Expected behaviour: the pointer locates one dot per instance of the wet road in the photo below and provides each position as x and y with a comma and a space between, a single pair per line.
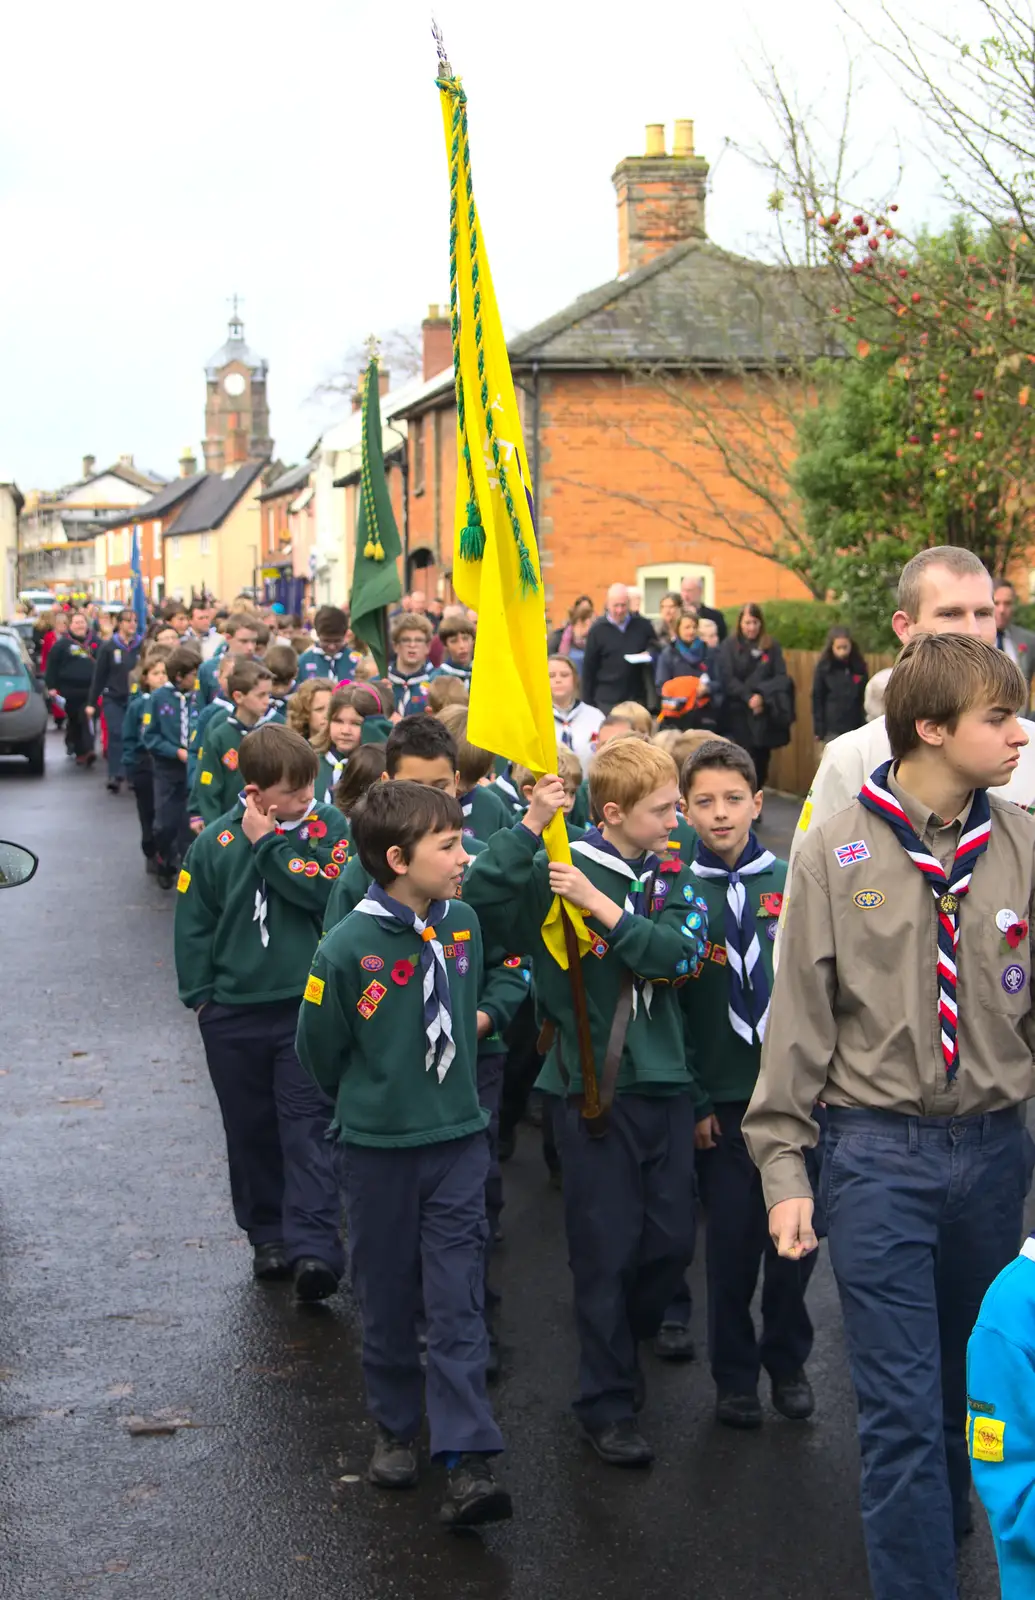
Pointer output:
125, 1294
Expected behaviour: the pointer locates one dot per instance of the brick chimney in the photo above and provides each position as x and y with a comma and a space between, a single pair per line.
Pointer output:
436, 341
188, 463
660, 197
384, 383
89, 462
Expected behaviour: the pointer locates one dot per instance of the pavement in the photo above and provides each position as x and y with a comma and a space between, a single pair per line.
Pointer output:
171, 1431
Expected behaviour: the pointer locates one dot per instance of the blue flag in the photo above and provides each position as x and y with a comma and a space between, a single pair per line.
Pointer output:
139, 598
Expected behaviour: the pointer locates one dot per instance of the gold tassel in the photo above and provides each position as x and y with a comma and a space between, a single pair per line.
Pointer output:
379, 551
370, 550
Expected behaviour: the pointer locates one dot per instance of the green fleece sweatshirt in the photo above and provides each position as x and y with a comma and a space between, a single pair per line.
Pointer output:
724, 1066
485, 812
361, 1032
509, 887
503, 985
217, 936
216, 783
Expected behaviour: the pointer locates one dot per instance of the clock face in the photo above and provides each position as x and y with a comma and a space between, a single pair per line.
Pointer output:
233, 383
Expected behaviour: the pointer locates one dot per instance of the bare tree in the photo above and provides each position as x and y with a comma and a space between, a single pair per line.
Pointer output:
399, 351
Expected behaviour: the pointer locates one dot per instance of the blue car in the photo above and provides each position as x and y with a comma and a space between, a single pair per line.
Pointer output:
23, 705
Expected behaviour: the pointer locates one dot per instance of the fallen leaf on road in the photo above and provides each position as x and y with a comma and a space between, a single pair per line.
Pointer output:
79, 1053
143, 1491
157, 1425
350, 1477
143, 1255
116, 1566
119, 1391
198, 1244
76, 1100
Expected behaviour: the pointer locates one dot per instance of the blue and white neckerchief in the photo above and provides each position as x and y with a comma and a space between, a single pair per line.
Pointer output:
509, 792
332, 662
414, 686
749, 985
598, 849
184, 717
467, 806
563, 720
337, 764
438, 1003
448, 670
220, 701
262, 893
948, 888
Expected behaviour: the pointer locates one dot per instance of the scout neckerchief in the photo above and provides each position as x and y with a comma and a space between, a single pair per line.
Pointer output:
413, 683
598, 849
184, 717
332, 661
509, 791
563, 721
438, 1004
337, 764
749, 986
447, 670
262, 893
948, 888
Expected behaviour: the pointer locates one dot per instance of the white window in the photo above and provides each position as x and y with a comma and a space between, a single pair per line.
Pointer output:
126, 544
111, 549
206, 543
156, 531
656, 580
175, 548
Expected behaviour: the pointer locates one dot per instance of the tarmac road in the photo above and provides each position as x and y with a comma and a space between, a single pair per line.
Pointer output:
125, 1293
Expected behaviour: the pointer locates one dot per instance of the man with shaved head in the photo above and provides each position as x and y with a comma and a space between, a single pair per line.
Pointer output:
620, 651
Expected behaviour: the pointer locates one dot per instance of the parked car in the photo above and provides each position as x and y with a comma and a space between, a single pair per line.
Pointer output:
23, 704
17, 864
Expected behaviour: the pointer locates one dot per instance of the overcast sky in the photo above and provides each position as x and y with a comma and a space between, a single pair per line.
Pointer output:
153, 160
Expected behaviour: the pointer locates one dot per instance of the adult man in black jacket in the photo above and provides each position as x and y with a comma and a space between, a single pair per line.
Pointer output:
116, 658
692, 590
620, 652
70, 674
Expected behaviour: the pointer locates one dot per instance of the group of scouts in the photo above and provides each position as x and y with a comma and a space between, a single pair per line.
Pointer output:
366, 927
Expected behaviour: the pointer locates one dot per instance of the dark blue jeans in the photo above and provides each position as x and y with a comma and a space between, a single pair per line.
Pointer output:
114, 717
921, 1214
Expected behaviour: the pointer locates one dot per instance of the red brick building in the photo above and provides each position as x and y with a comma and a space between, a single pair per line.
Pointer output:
627, 485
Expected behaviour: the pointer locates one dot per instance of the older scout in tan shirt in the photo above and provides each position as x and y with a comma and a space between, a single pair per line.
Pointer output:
857, 1022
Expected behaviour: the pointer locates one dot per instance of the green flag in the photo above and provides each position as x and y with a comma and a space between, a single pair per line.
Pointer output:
375, 576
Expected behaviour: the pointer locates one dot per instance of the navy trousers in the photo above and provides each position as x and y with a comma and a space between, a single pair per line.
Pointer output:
737, 1245
114, 717
143, 781
172, 828
490, 1088
629, 1215
921, 1215
284, 1173
416, 1220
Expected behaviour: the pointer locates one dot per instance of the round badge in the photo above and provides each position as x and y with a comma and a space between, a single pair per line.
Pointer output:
371, 963
332, 870
949, 903
463, 965
661, 888
770, 931
1005, 919
688, 893
693, 921
700, 902
311, 869
1014, 979
296, 864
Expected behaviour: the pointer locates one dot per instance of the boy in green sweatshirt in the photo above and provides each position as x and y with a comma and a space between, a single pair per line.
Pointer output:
248, 913
739, 890
421, 750
389, 1027
629, 1186
216, 782
485, 811
167, 738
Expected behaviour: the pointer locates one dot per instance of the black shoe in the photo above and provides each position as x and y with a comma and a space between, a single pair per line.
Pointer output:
793, 1397
151, 867
393, 1464
90, 757
166, 877
474, 1497
621, 1444
506, 1144
738, 1410
314, 1280
113, 785
270, 1263
674, 1342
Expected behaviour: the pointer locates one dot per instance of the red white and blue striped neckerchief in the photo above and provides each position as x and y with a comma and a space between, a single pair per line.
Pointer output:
948, 889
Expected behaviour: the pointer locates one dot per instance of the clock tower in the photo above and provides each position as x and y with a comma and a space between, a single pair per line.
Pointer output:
237, 418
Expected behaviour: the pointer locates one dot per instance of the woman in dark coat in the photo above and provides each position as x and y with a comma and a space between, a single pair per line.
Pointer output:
758, 694
838, 687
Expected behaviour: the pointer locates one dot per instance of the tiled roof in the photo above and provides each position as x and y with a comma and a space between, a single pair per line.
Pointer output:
215, 498
289, 482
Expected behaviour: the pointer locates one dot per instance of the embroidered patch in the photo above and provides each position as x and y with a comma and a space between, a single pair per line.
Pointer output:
512, 961
206, 777
661, 888
599, 947
314, 990
183, 881
682, 966
806, 817
296, 864
332, 870
771, 928
718, 955
988, 1439
230, 760
375, 991
366, 1008
146, 718
688, 894
692, 922
868, 899
1014, 979
371, 963
402, 972
463, 966
340, 854
311, 869
460, 935
226, 837
846, 855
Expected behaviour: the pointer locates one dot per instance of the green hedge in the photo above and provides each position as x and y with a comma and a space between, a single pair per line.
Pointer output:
1024, 616
804, 624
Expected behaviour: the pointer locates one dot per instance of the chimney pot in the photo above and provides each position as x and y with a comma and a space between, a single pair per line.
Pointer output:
384, 381
188, 463
436, 341
125, 461
683, 139
89, 462
655, 139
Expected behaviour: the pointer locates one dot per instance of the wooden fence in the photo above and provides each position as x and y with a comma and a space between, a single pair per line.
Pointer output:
794, 767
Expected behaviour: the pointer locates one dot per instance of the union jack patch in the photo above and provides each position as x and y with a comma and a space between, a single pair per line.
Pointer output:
846, 855
226, 837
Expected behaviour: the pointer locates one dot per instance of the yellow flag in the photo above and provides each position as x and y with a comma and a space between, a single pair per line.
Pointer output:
496, 561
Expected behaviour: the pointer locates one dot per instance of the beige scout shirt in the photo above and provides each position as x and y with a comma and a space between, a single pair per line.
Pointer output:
854, 1013
848, 761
